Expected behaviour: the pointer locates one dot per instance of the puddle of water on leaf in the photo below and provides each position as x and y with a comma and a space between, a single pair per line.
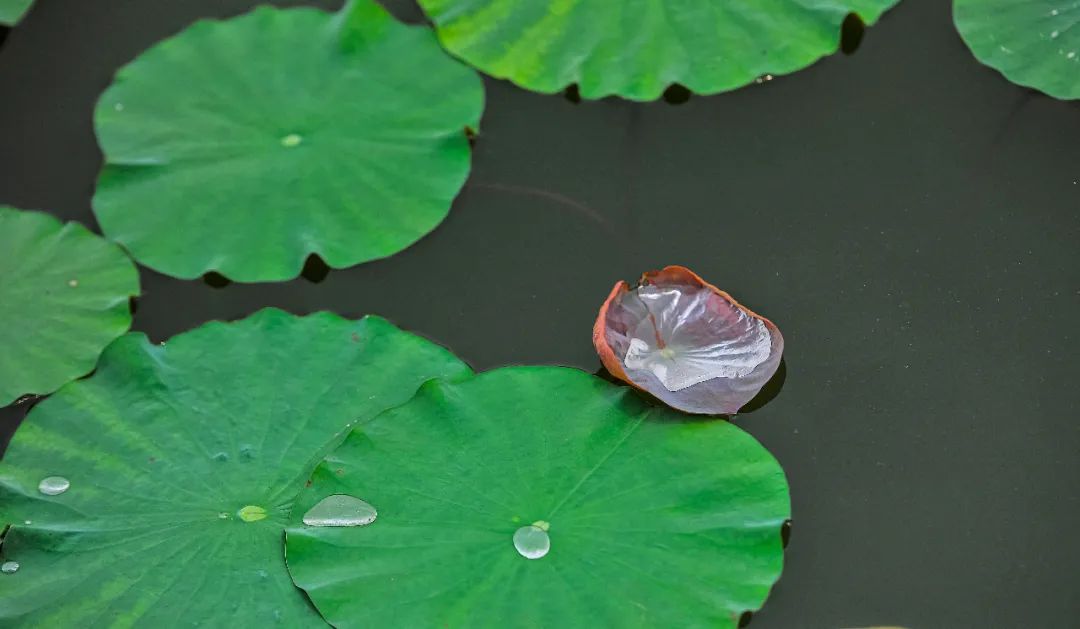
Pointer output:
532, 541
340, 510
252, 513
9, 567
53, 485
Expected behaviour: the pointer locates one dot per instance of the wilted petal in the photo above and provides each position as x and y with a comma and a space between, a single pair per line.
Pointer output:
686, 342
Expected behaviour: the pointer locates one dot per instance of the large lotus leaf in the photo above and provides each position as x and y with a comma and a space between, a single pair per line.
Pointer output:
652, 518
636, 48
183, 462
243, 146
1032, 42
11, 11
64, 296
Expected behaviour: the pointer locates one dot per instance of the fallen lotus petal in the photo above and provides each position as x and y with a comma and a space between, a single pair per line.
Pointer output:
686, 342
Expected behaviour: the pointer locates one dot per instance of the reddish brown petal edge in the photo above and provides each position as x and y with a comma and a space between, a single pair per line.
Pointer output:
669, 273
599, 336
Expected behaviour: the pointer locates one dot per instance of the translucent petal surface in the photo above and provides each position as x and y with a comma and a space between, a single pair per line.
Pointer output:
543, 497
242, 146
1034, 43
686, 342
636, 48
64, 295
183, 462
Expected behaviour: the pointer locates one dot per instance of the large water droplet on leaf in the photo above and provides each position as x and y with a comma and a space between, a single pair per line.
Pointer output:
9, 567
54, 485
340, 510
532, 541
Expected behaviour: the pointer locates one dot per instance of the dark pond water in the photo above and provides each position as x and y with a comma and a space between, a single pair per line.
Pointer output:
908, 218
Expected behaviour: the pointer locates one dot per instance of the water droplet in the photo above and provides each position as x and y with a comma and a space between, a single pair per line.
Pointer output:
118, 107
1070, 55
9, 567
28, 522
1053, 11
252, 513
291, 140
532, 541
340, 510
221, 457
1054, 35
247, 452
223, 516
53, 485
73, 283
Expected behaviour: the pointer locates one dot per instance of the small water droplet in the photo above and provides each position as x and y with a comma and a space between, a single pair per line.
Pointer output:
53, 485
223, 516
73, 283
1053, 11
1054, 35
291, 140
340, 510
221, 457
247, 452
28, 522
118, 107
262, 574
252, 513
9, 567
532, 541
1070, 55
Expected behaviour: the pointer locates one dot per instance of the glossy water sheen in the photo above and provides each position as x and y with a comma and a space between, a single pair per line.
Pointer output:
9, 567
54, 485
682, 343
907, 217
340, 510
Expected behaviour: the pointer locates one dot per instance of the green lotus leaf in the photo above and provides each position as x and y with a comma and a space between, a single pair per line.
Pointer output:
243, 146
181, 462
1032, 42
539, 497
11, 11
64, 296
636, 48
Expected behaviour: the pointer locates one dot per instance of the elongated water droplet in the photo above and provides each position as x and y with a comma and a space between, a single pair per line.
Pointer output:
252, 513
9, 567
532, 541
340, 510
291, 140
53, 485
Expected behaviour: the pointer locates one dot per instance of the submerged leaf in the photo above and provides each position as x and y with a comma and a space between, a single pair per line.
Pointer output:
1032, 42
543, 497
180, 465
64, 296
687, 342
243, 146
637, 48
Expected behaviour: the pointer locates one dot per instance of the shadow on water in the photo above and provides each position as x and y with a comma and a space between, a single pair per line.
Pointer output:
214, 279
676, 94
851, 33
315, 270
572, 93
769, 391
